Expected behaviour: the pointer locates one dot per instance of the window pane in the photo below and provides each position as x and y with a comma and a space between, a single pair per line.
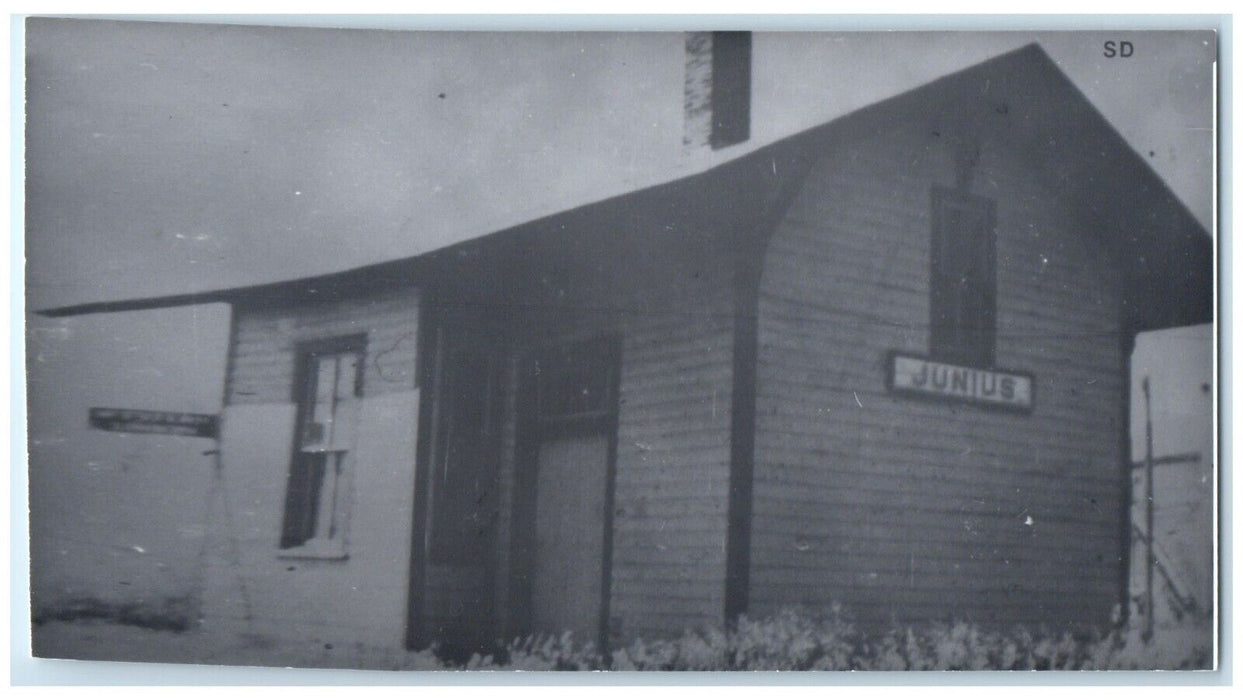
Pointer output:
345, 406
317, 433
328, 523
302, 500
347, 381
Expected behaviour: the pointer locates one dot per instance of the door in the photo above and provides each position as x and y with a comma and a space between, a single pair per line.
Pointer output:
570, 480
569, 534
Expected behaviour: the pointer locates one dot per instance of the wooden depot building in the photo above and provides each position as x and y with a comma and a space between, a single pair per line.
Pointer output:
882, 363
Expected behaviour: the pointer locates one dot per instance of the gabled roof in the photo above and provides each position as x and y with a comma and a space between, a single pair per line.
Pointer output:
1165, 253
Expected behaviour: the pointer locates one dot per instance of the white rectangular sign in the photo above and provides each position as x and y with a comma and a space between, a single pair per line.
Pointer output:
126, 420
917, 375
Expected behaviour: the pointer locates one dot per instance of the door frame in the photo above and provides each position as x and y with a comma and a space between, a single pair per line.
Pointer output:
532, 430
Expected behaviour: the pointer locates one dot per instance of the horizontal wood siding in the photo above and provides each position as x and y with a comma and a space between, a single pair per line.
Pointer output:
901, 508
267, 335
672, 467
672, 476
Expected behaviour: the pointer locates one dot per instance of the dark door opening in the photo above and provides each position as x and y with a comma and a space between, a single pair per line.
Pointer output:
571, 454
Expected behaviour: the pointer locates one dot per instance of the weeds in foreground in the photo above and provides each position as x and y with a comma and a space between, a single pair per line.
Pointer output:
800, 640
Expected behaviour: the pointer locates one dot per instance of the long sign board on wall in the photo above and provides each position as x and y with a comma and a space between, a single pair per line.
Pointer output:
919, 376
127, 420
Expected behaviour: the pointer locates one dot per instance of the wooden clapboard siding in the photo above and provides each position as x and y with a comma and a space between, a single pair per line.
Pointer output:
672, 469
909, 509
672, 474
262, 363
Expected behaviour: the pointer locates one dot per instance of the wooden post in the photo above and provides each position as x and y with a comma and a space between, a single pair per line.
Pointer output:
1149, 611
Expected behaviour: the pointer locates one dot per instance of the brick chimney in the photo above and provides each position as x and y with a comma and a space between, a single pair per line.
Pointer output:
717, 90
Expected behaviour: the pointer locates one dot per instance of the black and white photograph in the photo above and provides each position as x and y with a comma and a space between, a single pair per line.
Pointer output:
691, 350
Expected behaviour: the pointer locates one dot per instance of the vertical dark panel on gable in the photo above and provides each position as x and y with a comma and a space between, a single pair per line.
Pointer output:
731, 88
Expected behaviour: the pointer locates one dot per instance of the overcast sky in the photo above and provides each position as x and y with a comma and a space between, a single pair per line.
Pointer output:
163, 158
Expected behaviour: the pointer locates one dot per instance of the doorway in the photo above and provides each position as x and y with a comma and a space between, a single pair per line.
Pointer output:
572, 448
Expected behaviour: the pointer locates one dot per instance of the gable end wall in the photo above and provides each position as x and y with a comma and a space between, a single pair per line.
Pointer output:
909, 509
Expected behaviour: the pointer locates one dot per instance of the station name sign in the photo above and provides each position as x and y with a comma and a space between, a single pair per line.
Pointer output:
920, 376
126, 420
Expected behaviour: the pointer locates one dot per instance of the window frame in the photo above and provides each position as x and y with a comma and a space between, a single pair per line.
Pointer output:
975, 346
294, 541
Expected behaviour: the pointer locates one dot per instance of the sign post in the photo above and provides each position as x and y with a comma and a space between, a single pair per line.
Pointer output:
1149, 501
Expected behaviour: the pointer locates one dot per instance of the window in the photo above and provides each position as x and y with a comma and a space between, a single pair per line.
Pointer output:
575, 388
328, 384
964, 288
